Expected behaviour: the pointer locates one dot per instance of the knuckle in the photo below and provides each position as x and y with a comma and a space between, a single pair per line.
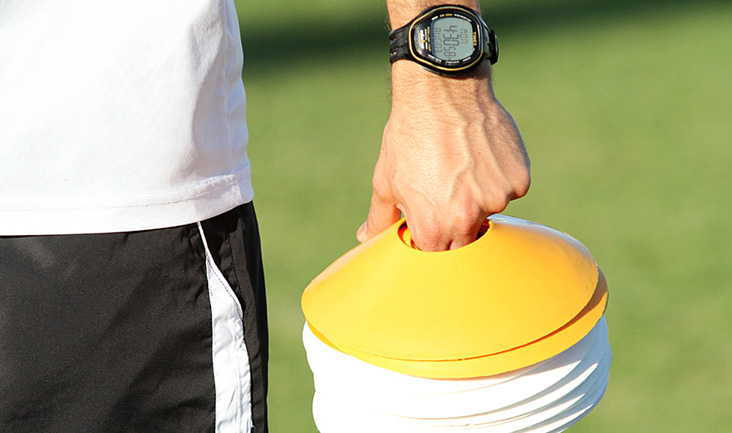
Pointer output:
467, 220
465, 223
378, 183
521, 184
427, 234
498, 202
381, 191
428, 230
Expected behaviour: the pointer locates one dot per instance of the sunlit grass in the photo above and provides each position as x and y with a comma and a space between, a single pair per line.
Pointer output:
626, 117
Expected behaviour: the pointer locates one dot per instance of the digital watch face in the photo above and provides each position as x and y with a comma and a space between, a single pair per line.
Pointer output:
452, 38
448, 39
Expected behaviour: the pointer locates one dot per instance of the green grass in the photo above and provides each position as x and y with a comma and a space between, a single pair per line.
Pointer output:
625, 111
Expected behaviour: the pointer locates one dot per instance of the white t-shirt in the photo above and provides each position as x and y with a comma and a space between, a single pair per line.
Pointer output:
119, 115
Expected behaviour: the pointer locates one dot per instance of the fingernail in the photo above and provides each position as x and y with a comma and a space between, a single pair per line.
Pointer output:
362, 231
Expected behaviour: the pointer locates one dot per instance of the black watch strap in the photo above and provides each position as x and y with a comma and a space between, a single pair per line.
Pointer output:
399, 44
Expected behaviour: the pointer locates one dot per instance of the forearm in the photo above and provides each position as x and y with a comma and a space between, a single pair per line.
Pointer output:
402, 11
424, 92
416, 86
451, 155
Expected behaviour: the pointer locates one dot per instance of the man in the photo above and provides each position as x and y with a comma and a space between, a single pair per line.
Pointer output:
131, 287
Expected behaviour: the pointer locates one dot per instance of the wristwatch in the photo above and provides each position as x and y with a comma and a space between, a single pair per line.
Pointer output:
448, 40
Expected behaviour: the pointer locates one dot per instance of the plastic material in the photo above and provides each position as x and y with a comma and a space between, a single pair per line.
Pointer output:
518, 295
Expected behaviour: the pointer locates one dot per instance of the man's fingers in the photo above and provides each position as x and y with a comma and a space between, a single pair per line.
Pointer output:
382, 214
465, 239
431, 235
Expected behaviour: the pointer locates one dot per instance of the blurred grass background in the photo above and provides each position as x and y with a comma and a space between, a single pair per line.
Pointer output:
625, 109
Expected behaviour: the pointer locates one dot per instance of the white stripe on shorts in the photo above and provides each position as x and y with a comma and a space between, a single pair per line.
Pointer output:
232, 376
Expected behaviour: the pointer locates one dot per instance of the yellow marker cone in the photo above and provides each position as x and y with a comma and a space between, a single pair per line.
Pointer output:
518, 295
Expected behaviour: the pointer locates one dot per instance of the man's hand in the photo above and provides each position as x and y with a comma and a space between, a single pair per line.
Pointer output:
451, 156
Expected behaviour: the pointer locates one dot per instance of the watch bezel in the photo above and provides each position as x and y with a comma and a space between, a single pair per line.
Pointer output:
421, 47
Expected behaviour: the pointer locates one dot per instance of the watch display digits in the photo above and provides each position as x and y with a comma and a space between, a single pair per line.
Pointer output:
452, 39
448, 40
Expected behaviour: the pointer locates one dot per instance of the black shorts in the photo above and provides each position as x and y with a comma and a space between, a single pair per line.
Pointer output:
153, 331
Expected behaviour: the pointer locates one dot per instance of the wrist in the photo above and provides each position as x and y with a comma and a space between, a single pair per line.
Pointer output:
403, 11
433, 101
411, 82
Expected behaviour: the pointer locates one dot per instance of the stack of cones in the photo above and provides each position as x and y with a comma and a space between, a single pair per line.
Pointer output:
445, 337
